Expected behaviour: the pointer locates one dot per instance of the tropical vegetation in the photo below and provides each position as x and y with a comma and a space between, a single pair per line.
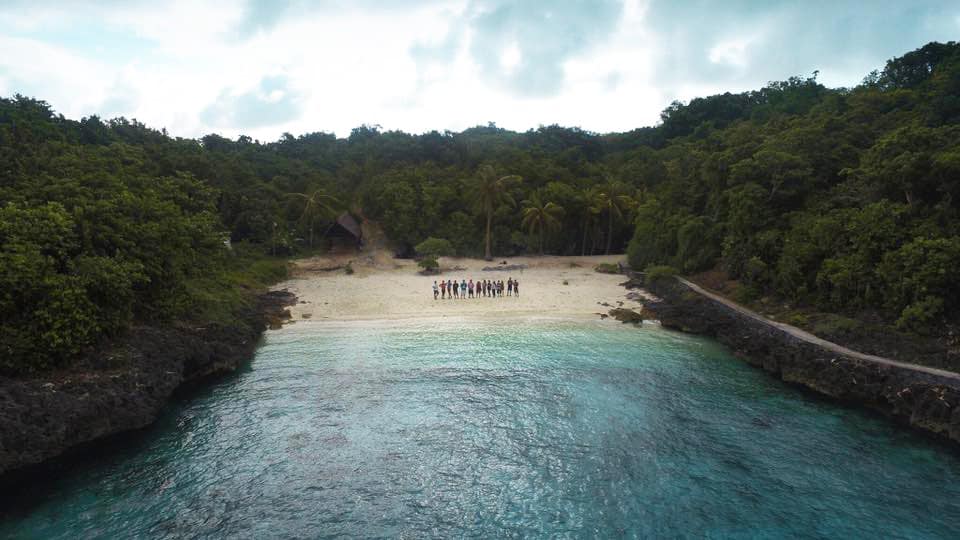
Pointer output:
842, 199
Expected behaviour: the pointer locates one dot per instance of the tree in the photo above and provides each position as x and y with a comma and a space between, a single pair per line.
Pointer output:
613, 200
588, 208
920, 279
316, 204
490, 193
784, 175
541, 216
435, 247
847, 200
430, 249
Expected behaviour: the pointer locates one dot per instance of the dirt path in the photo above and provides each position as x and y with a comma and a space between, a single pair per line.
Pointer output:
810, 338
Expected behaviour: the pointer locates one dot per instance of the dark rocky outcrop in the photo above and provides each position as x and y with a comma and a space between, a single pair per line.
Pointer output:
124, 386
919, 397
626, 315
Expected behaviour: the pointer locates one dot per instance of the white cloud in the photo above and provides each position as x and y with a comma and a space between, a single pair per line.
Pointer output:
511, 57
731, 52
191, 67
72, 82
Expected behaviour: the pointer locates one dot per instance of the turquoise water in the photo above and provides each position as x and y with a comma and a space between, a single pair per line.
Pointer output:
510, 428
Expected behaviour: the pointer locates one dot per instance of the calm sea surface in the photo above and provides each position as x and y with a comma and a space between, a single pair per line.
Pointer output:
502, 428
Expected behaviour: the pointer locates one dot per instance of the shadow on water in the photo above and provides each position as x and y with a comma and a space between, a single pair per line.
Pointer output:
543, 430
854, 414
23, 490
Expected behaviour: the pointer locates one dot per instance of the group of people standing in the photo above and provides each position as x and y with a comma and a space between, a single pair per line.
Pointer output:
475, 289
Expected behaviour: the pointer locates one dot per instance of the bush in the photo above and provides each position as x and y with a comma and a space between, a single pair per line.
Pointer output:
697, 248
223, 293
746, 294
654, 239
755, 271
920, 316
348, 268
798, 319
658, 272
434, 247
607, 268
921, 277
831, 326
429, 265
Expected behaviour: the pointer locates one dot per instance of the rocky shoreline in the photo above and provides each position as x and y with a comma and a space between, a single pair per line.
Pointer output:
124, 386
922, 400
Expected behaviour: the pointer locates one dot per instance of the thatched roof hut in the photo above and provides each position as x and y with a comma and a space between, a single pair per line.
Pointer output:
350, 224
345, 232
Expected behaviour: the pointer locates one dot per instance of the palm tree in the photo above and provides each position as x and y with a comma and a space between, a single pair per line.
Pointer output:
491, 192
613, 200
538, 215
315, 205
588, 208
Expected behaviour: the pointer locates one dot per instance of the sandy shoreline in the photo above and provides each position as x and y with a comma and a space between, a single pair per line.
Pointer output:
383, 288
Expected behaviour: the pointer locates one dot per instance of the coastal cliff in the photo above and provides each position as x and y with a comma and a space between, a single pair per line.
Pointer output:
922, 398
124, 386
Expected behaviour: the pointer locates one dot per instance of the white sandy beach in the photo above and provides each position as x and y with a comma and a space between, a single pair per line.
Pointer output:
382, 287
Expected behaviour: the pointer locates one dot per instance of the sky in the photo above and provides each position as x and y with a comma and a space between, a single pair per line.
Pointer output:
265, 67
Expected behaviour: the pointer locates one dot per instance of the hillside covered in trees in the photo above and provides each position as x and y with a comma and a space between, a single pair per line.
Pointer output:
842, 199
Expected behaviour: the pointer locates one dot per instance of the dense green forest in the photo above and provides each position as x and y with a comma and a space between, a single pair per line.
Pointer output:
842, 199
838, 198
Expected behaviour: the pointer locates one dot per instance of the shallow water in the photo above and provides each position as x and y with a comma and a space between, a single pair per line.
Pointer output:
506, 428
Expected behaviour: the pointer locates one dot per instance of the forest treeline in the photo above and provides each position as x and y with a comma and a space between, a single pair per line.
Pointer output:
844, 199
840, 198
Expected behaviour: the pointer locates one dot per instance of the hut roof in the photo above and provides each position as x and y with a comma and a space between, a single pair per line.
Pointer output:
347, 222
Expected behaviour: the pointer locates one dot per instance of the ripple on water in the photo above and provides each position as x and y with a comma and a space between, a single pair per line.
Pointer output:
504, 428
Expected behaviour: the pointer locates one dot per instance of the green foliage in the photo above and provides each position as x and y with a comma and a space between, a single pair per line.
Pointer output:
65, 289
697, 248
218, 295
396, 204
612, 199
659, 272
461, 229
492, 192
316, 205
94, 237
833, 325
429, 264
607, 268
755, 272
435, 247
747, 294
845, 199
652, 240
920, 316
541, 216
921, 270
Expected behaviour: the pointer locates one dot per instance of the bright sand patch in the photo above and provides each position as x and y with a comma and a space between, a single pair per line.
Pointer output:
385, 288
